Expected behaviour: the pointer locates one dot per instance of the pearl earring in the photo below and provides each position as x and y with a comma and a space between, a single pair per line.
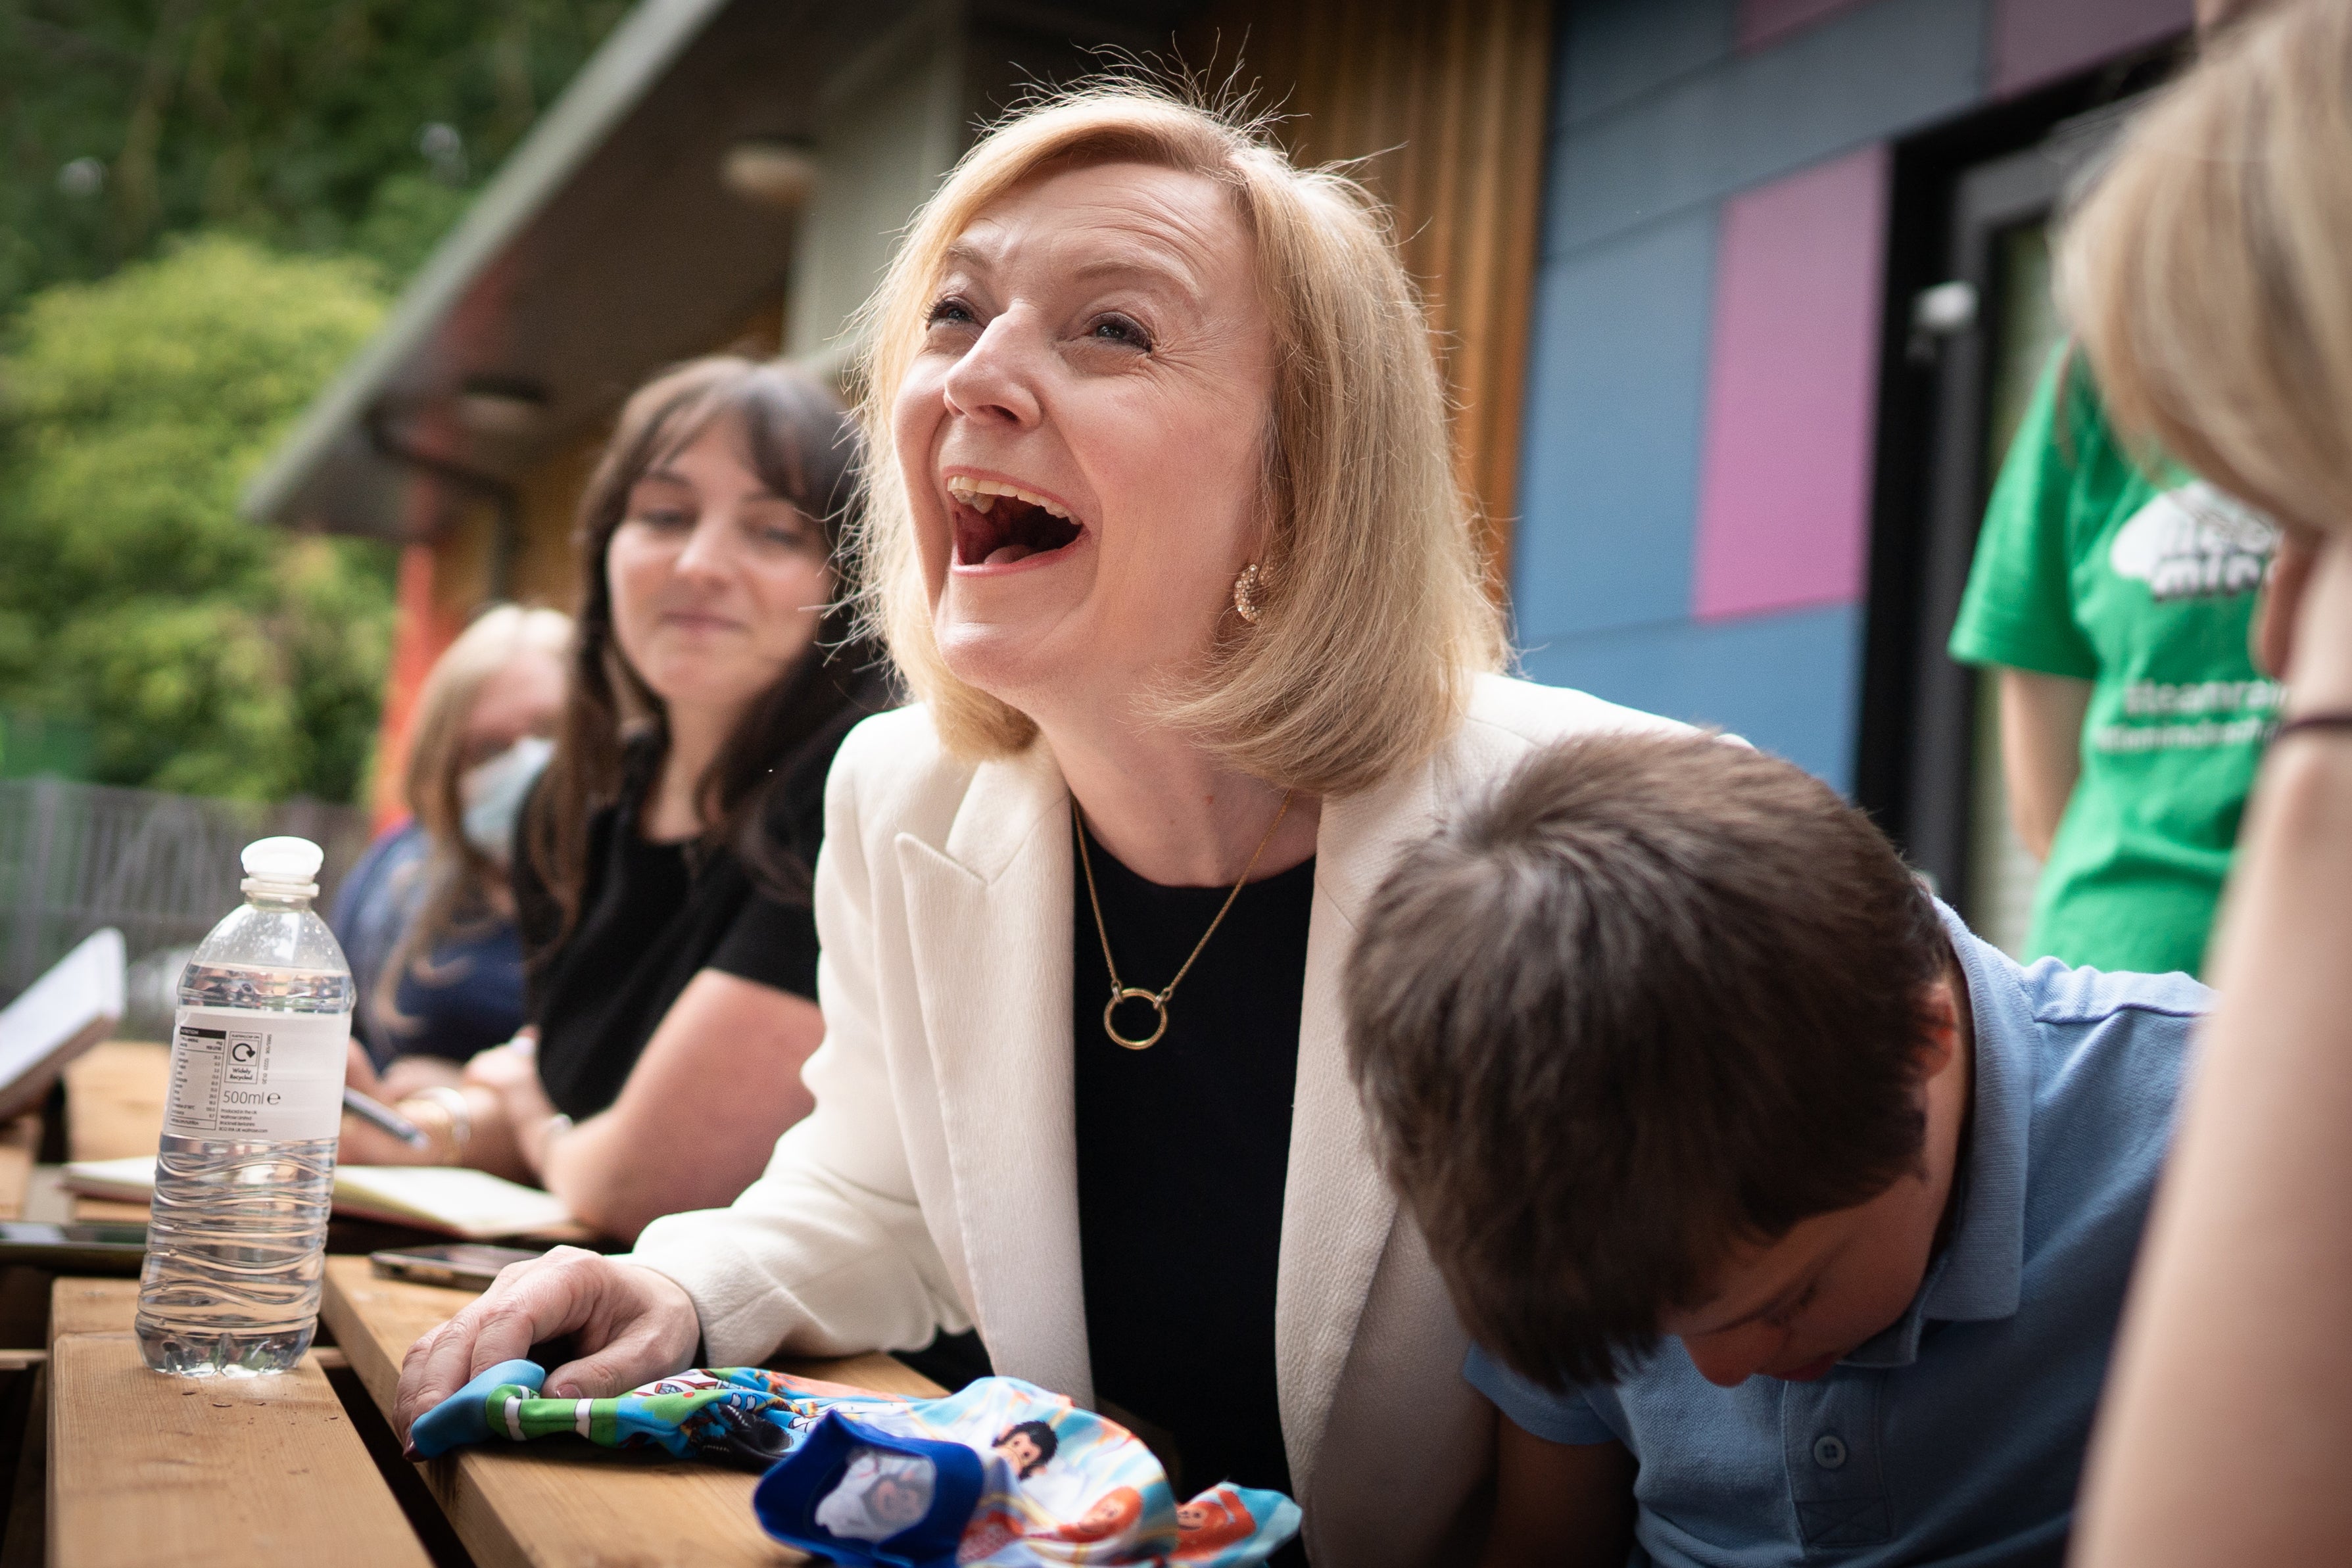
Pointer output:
1245, 604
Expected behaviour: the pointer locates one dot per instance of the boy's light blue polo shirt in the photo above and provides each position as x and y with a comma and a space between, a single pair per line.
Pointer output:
1957, 1436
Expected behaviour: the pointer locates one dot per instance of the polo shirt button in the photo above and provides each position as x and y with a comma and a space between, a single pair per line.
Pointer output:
1829, 1451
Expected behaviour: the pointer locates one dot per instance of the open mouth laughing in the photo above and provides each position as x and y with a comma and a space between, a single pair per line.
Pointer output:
997, 523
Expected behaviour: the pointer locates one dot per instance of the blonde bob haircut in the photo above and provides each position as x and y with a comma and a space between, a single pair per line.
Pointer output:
1375, 616
2208, 274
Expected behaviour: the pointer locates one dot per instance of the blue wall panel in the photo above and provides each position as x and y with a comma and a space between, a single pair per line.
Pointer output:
1612, 50
1880, 70
1609, 449
1789, 683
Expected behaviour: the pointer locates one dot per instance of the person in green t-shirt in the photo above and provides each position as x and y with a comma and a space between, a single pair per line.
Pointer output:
2132, 716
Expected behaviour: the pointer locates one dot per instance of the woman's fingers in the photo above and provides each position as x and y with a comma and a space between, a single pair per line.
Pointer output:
657, 1340
570, 1291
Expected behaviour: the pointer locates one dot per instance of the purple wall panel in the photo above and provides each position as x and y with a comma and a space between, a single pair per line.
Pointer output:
1763, 23
1784, 483
2034, 41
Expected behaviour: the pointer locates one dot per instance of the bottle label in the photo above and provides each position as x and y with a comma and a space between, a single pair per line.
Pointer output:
239, 1072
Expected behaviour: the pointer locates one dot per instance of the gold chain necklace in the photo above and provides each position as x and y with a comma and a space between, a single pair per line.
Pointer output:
1159, 998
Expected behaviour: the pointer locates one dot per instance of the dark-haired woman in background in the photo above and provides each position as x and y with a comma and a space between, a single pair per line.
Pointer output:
662, 868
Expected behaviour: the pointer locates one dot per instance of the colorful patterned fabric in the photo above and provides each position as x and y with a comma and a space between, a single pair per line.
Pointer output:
1053, 1484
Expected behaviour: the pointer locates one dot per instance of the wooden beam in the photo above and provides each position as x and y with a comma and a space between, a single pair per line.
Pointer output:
1442, 105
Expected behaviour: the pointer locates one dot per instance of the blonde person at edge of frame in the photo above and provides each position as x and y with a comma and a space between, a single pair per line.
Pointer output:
2206, 277
1169, 547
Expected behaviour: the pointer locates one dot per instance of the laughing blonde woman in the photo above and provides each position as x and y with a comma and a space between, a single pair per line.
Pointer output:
1172, 555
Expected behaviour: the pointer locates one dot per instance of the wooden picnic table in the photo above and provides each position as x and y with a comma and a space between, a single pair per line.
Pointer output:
302, 1468
145, 1470
561, 1501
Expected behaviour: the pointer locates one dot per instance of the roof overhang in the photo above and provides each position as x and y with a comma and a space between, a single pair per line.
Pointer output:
610, 244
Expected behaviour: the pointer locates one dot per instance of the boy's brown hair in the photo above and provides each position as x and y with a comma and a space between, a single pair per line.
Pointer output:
1658, 998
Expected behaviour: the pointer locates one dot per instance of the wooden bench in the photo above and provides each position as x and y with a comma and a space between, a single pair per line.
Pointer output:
146, 1471
558, 1501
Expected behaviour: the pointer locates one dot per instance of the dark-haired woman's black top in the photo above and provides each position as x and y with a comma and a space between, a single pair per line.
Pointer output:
653, 915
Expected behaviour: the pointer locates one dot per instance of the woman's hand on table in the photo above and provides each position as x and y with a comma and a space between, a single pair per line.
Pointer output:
509, 1074
627, 1326
362, 1142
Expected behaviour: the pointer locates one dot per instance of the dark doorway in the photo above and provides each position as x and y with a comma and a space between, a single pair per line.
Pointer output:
1969, 324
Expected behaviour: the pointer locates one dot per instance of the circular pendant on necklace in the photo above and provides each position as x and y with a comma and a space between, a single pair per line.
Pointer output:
1131, 993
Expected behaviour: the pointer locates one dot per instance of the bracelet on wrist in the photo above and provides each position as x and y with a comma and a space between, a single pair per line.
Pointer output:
440, 1129
455, 1112
554, 1127
2312, 724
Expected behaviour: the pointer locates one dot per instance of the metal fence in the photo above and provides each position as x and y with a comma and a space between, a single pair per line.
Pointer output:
161, 868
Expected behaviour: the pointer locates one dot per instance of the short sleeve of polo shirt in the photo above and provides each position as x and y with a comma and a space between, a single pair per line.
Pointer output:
1556, 1417
2018, 608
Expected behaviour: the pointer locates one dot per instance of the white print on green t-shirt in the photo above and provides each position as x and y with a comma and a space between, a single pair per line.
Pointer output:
2204, 704
2194, 543
2154, 699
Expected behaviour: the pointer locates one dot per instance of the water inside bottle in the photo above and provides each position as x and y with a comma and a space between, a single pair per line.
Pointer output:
236, 1242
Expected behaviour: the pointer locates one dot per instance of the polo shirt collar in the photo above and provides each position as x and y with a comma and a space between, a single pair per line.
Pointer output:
1977, 1275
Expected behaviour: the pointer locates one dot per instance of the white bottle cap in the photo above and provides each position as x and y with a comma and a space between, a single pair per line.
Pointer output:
282, 865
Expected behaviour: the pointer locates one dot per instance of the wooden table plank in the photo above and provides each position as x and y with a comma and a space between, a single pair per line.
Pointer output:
92, 1306
114, 1100
20, 1145
114, 1109
145, 1470
561, 1500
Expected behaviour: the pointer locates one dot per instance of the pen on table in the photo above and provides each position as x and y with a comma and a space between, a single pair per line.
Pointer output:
375, 1113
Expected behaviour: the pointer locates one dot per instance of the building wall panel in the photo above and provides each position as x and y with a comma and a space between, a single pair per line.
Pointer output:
1764, 23
2035, 41
1615, 406
1616, 51
1785, 475
1868, 74
1789, 683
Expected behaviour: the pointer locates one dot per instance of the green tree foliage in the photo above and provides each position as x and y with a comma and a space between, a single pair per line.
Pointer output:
207, 653
304, 124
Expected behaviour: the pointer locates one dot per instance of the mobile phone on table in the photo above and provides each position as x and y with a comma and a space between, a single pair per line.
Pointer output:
94, 1249
472, 1264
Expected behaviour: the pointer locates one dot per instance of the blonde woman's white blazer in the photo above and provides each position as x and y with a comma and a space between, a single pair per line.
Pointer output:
935, 1184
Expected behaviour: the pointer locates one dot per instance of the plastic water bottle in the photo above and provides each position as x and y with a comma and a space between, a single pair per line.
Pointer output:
244, 1177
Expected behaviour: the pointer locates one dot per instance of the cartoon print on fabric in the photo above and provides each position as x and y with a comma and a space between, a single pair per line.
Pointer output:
878, 1495
1055, 1484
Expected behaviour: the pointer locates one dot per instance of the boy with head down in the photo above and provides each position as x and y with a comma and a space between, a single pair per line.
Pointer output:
1665, 1043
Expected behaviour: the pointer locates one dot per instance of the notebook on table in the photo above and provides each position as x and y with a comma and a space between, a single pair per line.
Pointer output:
452, 1199
65, 1012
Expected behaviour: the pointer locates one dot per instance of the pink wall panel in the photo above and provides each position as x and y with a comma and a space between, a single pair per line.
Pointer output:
2034, 41
1784, 480
1763, 23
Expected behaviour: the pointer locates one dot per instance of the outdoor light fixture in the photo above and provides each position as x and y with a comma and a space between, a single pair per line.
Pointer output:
501, 406
769, 171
